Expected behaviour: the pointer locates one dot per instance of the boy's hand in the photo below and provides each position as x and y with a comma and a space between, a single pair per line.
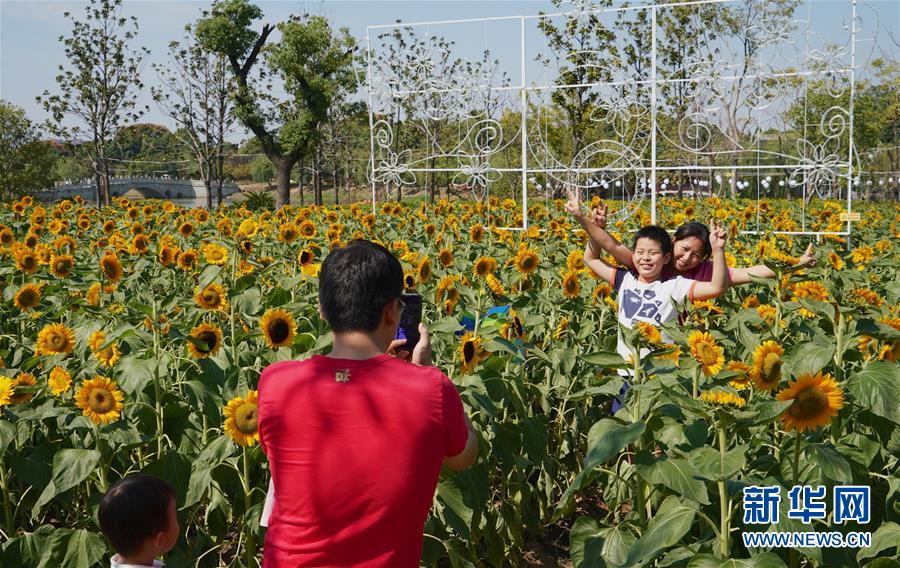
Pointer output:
421, 353
573, 205
809, 257
717, 237
599, 215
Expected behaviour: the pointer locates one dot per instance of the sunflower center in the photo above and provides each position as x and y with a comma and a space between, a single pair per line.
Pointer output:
211, 297
528, 263
305, 257
29, 262
245, 419
279, 330
808, 404
57, 341
101, 401
209, 338
27, 298
468, 351
771, 368
708, 355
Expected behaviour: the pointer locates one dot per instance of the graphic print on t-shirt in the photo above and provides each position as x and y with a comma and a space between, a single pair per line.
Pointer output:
641, 303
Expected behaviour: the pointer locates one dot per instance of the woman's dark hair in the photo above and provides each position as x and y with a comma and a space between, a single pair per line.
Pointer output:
134, 510
654, 233
695, 229
355, 283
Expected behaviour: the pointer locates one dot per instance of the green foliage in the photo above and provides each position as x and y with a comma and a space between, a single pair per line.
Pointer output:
26, 163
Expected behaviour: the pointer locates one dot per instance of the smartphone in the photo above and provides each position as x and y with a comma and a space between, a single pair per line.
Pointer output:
409, 320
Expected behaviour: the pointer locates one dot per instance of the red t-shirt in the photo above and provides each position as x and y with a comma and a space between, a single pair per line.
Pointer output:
355, 449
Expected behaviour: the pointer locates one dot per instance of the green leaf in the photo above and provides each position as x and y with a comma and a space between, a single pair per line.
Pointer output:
670, 523
607, 438
674, 473
135, 373
605, 359
877, 330
887, 536
811, 358
712, 465
208, 275
876, 388
7, 434
460, 517
763, 411
764, 560
581, 481
248, 302
78, 548
593, 546
563, 360
70, 467
201, 472
446, 325
704, 561
830, 462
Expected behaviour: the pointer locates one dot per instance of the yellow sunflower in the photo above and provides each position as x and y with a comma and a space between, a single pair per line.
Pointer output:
7, 386
722, 398
742, 381
93, 294
470, 351
571, 286
476, 233
60, 381
186, 229
27, 261
484, 266
278, 328
209, 338
213, 297
561, 328
526, 261
575, 260
22, 380
288, 232
168, 255
445, 257
215, 254
649, 333
28, 296
424, 270
766, 369
62, 265
111, 267
242, 419
55, 339
108, 356
835, 260
494, 284
188, 259
705, 350
308, 229
100, 400
816, 400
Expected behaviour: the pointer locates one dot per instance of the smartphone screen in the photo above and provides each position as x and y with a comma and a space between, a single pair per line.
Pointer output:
409, 320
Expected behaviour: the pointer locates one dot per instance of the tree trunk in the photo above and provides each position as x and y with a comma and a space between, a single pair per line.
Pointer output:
431, 181
300, 181
283, 195
337, 187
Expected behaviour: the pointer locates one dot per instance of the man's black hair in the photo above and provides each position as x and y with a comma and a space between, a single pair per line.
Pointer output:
355, 283
695, 229
654, 233
134, 510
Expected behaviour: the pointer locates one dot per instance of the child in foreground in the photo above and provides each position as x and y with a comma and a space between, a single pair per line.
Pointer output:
643, 293
138, 517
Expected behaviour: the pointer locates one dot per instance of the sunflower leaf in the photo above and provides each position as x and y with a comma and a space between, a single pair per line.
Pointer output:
877, 389
70, 467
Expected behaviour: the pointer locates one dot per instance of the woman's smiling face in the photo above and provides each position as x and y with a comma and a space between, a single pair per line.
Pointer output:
687, 253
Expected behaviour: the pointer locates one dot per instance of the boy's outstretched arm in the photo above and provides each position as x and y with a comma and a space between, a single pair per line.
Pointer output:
595, 263
743, 275
719, 283
595, 227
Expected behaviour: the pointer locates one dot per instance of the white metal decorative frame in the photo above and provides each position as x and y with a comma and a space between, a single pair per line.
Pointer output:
728, 102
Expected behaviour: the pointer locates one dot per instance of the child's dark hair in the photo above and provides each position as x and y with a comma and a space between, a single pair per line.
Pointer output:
134, 510
695, 229
654, 233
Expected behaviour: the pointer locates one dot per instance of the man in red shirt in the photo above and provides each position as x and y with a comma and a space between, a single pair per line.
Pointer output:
356, 438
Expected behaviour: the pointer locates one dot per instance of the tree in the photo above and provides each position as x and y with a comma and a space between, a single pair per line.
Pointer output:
196, 85
144, 149
26, 163
98, 89
311, 61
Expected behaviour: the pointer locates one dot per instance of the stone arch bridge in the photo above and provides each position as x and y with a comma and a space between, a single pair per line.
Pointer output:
136, 188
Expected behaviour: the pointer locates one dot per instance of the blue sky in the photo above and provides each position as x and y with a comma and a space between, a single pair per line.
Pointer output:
30, 51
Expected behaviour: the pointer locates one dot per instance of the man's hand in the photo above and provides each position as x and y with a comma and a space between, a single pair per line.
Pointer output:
573, 205
599, 215
421, 354
717, 237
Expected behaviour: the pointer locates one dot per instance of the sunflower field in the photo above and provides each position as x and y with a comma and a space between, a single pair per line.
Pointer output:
133, 338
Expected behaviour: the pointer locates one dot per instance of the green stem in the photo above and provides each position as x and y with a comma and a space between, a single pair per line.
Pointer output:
796, 471
157, 391
724, 504
249, 547
104, 485
695, 382
7, 501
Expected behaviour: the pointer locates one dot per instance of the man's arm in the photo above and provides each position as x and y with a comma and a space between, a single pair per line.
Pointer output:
719, 283
467, 457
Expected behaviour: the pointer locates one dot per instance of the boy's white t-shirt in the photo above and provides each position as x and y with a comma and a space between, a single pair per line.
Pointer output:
116, 562
649, 302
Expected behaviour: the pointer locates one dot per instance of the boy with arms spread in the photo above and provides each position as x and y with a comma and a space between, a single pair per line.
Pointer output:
643, 294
